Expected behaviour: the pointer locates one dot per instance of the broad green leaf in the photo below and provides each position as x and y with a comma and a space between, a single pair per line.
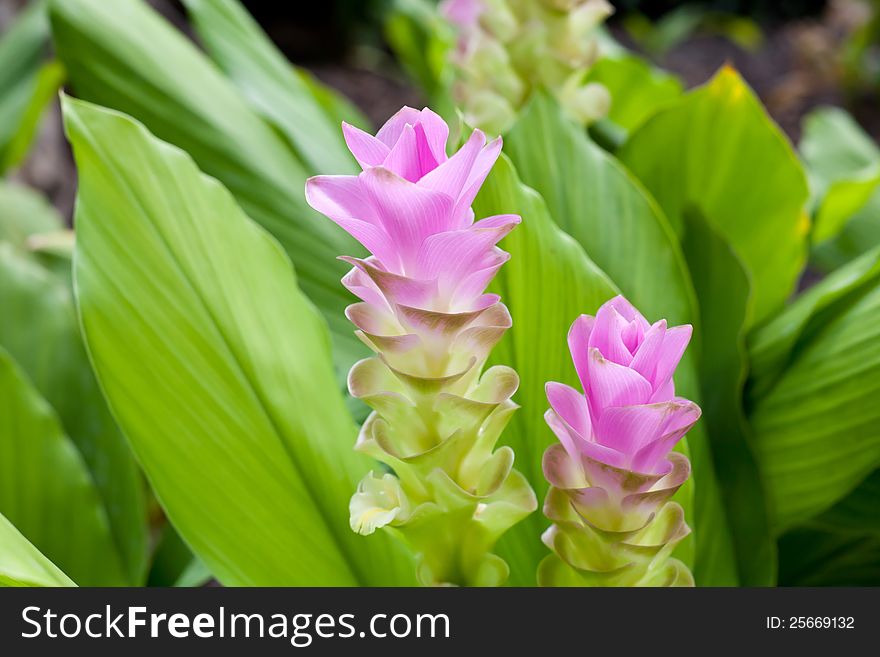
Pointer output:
174, 563
336, 106
843, 200
45, 487
594, 198
835, 147
195, 574
717, 151
26, 86
811, 556
724, 295
857, 512
38, 327
773, 347
121, 54
241, 48
843, 164
840, 547
43, 91
637, 89
817, 426
24, 212
546, 284
860, 234
21, 564
216, 366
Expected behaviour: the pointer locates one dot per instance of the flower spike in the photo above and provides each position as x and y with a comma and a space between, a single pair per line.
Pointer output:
507, 48
613, 471
424, 312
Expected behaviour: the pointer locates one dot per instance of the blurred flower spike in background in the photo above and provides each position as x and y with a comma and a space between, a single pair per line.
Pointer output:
507, 48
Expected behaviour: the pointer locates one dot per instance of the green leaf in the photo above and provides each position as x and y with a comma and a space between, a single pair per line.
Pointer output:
857, 512
170, 558
26, 86
38, 327
174, 563
241, 48
840, 547
637, 89
122, 55
21, 564
860, 234
336, 106
716, 150
843, 163
835, 147
621, 228
811, 556
23, 213
194, 575
773, 347
45, 487
216, 366
817, 426
724, 294
544, 262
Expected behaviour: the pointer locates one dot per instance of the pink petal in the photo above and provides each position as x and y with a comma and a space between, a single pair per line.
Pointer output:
395, 288
452, 255
475, 284
571, 406
451, 176
579, 345
614, 385
404, 156
367, 150
407, 212
342, 198
632, 336
339, 197
664, 393
435, 132
628, 428
570, 441
653, 455
648, 352
674, 343
390, 132
601, 454
363, 287
607, 335
482, 165
628, 311
508, 221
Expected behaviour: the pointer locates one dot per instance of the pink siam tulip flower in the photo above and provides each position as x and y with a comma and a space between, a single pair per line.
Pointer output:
411, 208
630, 417
614, 472
425, 313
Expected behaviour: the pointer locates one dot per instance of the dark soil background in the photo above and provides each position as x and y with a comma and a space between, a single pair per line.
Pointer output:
795, 67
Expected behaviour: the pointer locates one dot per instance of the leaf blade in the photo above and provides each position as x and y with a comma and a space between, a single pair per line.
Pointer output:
233, 366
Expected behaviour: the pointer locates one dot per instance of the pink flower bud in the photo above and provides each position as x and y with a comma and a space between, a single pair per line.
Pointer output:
629, 416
